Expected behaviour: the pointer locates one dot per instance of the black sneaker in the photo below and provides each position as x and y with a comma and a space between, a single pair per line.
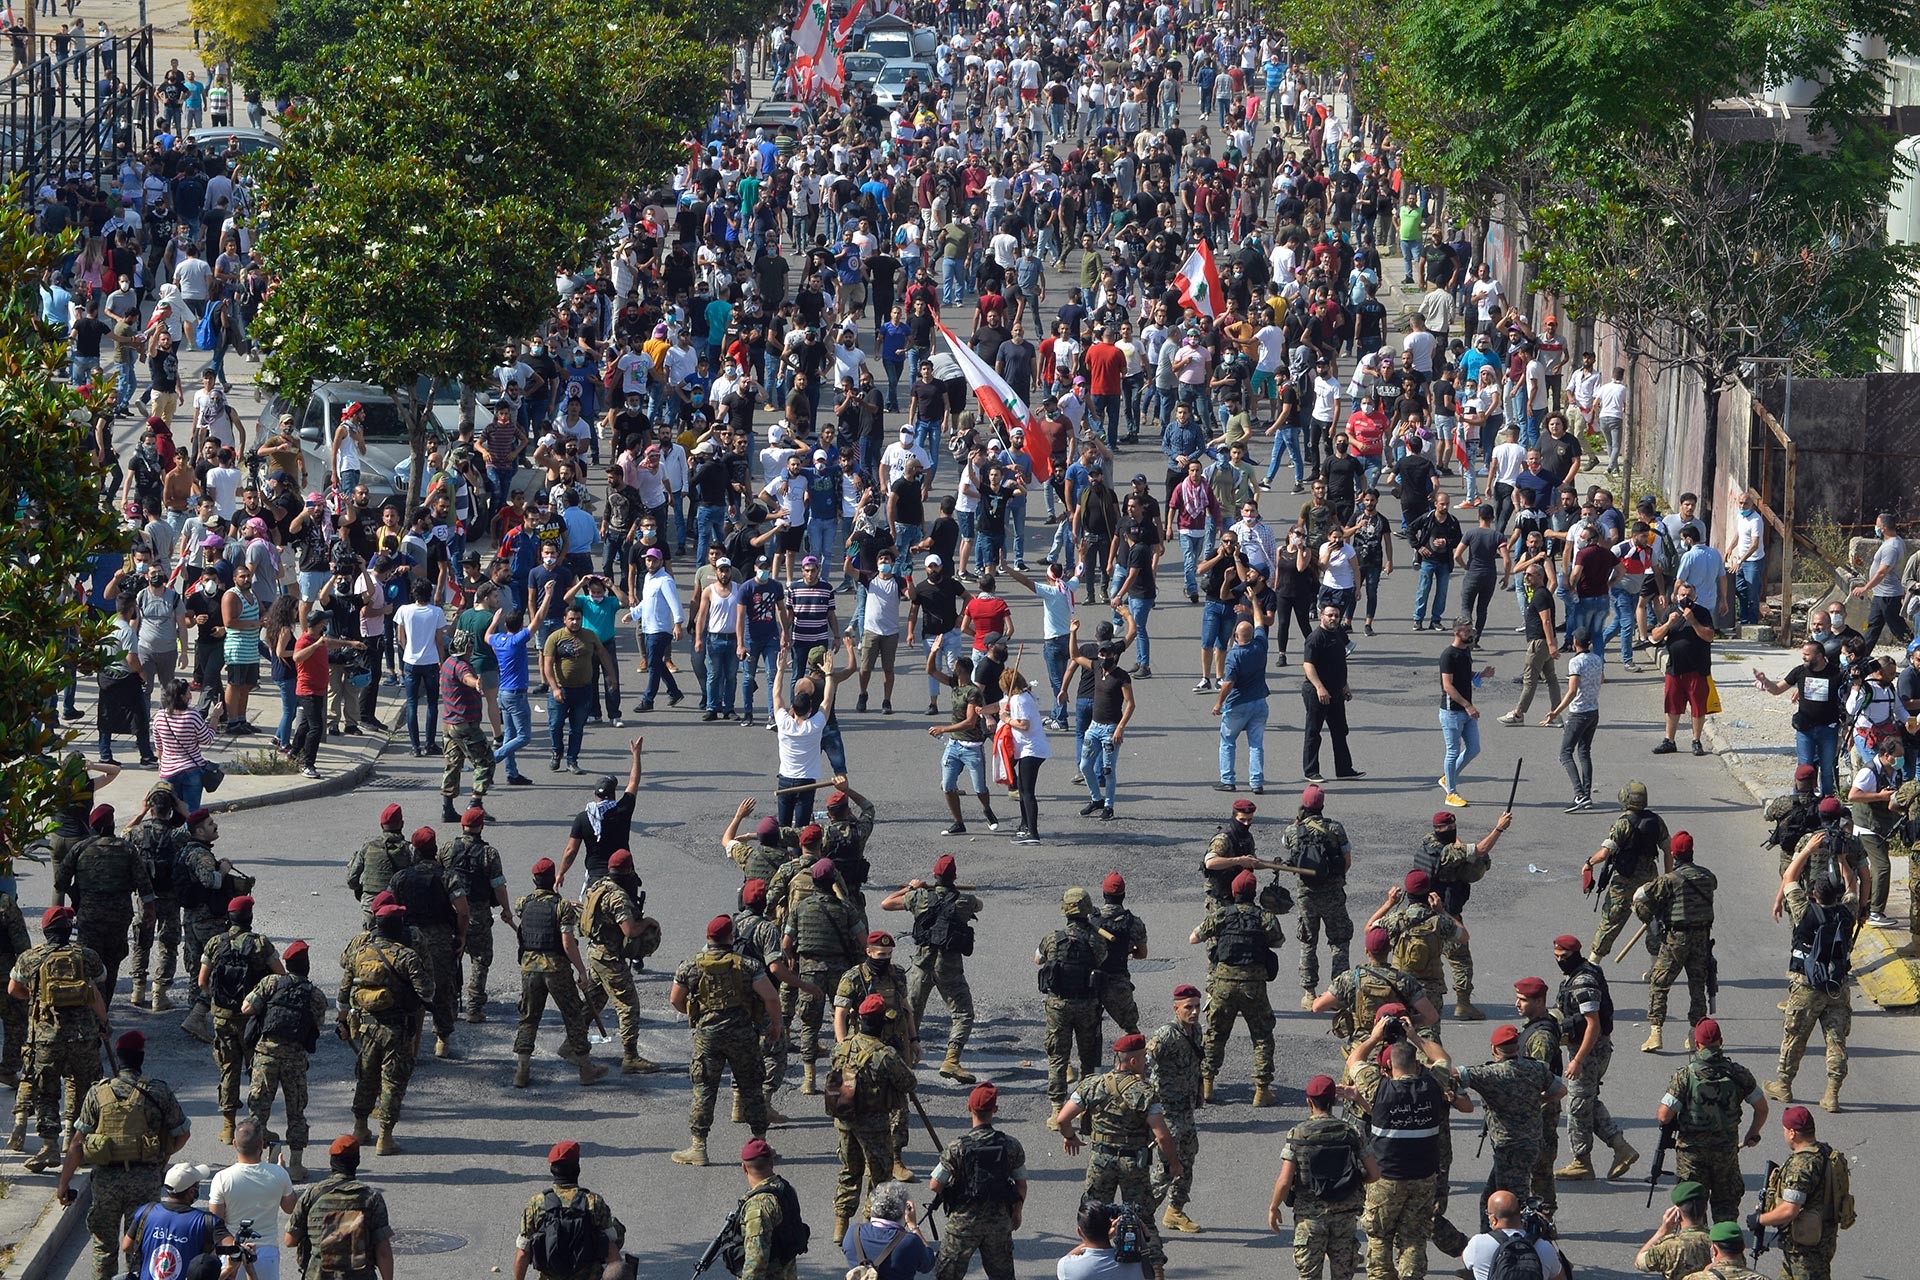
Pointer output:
862, 704
675, 699
519, 780
1224, 786
1106, 813
1666, 747
1698, 749
554, 762
957, 829
745, 721
1090, 808
1351, 773
933, 708
886, 708
1315, 777
710, 716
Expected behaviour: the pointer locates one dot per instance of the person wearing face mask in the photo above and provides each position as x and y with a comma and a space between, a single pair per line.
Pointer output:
719, 634
1687, 634
882, 592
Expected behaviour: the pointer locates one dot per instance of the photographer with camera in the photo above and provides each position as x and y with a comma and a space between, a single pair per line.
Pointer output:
164, 1238
1502, 1249
1095, 1257
250, 1191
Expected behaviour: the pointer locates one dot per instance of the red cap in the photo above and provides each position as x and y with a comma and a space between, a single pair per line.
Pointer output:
1797, 1118
130, 1042
1805, 773
838, 800
1444, 818
753, 892
1311, 796
1244, 883
56, 916
1115, 885
1186, 991
756, 1149
544, 867
390, 910
812, 833
1419, 884
873, 1004
879, 938
1377, 940
1831, 807
1531, 988
822, 869
563, 1151
198, 816
944, 865
1320, 1088
390, 815
1133, 1043
424, 838
983, 1098
1245, 806
719, 926
101, 813
1682, 842
242, 903
1505, 1034
294, 948
1567, 942
622, 860
344, 1145
1706, 1031
474, 817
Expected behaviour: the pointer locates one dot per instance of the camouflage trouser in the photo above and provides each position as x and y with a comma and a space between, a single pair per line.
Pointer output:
1325, 1242
945, 972
1680, 949
1117, 1002
197, 929
986, 1228
1323, 907
714, 1052
479, 950
1587, 1116
866, 1158
1615, 910
441, 950
1513, 1165
536, 986
1834, 1015
383, 1065
165, 925
105, 933
1444, 1236
74, 1064
1913, 892
1186, 1142
1228, 1000
1398, 1217
1549, 1152
1070, 1023
13, 1032
773, 1057
1459, 956
810, 1011
464, 744
119, 1192
613, 984
284, 1071
1801, 1262
1122, 1179
1717, 1168
230, 1056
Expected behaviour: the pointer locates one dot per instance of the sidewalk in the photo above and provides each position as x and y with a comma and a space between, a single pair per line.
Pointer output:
344, 763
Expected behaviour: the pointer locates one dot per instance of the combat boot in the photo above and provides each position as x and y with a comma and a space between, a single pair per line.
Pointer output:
295, 1169
695, 1153
226, 1128
522, 1070
952, 1069
476, 1013
139, 992
1778, 1090
441, 1048
360, 1131
1175, 1219
1574, 1170
387, 1146
199, 1025
447, 812
1053, 1121
739, 1113
1306, 1001
1262, 1095
1653, 1039
775, 1115
590, 1070
807, 1084
839, 1230
1463, 1008
1624, 1157
17, 1140
1830, 1100
162, 1002
44, 1159
632, 1064
1206, 1088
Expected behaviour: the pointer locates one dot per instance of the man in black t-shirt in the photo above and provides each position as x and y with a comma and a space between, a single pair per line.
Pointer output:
1688, 635
1415, 475
1459, 717
1325, 693
605, 825
935, 613
1819, 687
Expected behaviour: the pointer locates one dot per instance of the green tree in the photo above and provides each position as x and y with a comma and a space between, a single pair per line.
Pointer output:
55, 522
280, 46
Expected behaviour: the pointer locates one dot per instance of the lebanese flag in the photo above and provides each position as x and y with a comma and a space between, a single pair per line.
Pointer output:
1460, 454
1139, 41
1000, 402
1199, 282
812, 46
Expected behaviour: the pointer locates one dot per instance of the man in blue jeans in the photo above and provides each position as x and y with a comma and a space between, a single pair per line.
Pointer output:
509, 639
1819, 688
1242, 701
1459, 717
966, 746
1140, 591
1111, 710
661, 621
570, 661
763, 606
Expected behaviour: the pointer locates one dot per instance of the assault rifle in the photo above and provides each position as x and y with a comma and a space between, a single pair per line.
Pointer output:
1766, 1202
728, 1230
934, 1134
1713, 979
1659, 1161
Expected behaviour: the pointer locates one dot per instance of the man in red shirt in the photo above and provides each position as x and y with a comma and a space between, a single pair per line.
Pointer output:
985, 614
1106, 368
1594, 571
1367, 436
465, 738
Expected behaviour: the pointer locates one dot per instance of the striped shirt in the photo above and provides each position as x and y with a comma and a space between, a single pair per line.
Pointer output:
180, 735
242, 647
812, 606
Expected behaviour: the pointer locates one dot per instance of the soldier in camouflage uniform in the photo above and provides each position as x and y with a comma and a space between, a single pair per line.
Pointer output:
1680, 904
1243, 938
941, 964
758, 938
1128, 1122
878, 975
1702, 1105
1126, 937
825, 935
14, 939
763, 1212
1906, 840
1729, 1255
1231, 851
1679, 1246
849, 828
256, 959
385, 986
794, 879
609, 916
1795, 815
1818, 993
768, 851
478, 864
1420, 932
435, 896
733, 1009
323, 1204
1070, 960
1454, 867
205, 884
1322, 1227
547, 950
1356, 994
63, 1032
1808, 1201
1514, 1087
373, 864
157, 836
1585, 1008
1636, 850
1406, 1118
102, 874
881, 1081
125, 1170
289, 1006
1319, 847
981, 1181
1175, 1059
563, 1164
1540, 1040
1832, 852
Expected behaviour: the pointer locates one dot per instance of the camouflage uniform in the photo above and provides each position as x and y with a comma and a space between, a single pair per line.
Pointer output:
1239, 990
385, 1043
281, 1065
157, 842
1128, 933
1540, 1041
371, 867
1442, 936
1323, 1230
431, 892
890, 984
479, 865
845, 843
1820, 863
1232, 840
1174, 1056
1512, 1090
867, 1146
1808, 1006
570, 1195
759, 861
1707, 1126
1802, 1180
983, 1225
829, 937
1354, 1021
1683, 1253
1072, 1020
1618, 902
943, 971
204, 921
229, 1024
1446, 1237
1682, 902
1795, 816
63, 1048
760, 1216
1581, 992
1403, 1214
1455, 867
121, 1189
99, 874
1119, 1106
14, 940
1323, 898
758, 938
612, 906
726, 1034
308, 1225
548, 975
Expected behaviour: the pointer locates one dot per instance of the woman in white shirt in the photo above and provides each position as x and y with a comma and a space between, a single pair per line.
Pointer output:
1020, 710
1336, 572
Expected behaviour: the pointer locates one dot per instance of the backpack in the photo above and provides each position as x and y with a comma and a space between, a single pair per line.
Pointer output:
985, 1175
154, 841
1792, 822
1643, 843
1315, 849
128, 1130
287, 1018
377, 988
104, 864
846, 1088
866, 1269
1712, 1104
206, 333
940, 927
230, 974
790, 1238
1666, 556
1371, 990
720, 983
1827, 957
1068, 972
1839, 1188
1330, 1172
63, 982
340, 1235
1417, 951
1516, 1259
468, 857
566, 1241
1242, 941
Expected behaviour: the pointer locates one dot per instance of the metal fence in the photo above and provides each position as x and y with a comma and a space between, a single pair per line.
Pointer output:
75, 106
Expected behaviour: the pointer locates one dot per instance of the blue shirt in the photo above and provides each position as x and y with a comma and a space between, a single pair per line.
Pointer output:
893, 342
1703, 567
910, 1257
582, 533
599, 618
719, 314
1246, 670
172, 1238
511, 653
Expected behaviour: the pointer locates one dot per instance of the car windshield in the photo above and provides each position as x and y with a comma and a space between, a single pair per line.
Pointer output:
381, 421
893, 76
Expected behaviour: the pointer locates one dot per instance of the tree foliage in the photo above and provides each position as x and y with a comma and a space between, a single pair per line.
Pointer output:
280, 46
54, 523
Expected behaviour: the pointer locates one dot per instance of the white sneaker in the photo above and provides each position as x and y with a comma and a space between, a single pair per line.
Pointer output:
617, 723
309, 772
1879, 920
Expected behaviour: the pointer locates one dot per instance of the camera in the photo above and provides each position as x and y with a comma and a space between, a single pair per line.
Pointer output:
1534, 1219
1394, 1031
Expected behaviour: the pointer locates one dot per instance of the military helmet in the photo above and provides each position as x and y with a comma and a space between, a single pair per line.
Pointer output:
1633, 795
1076, 902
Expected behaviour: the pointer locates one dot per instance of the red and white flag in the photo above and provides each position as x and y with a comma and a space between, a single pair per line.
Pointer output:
1460, 454
1000, 402
1199, 282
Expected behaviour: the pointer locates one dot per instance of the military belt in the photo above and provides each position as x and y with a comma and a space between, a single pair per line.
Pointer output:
1125, 1153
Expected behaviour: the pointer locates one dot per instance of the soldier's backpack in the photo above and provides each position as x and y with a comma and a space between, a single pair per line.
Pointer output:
1826, 956
791, 1236
845, 1089
1839, 1188
1515, 1258
1067, 970
985, 1175
941, 927
1712, 1104
1330, 1172
63, 982
104, 864
590, 911
1417, 950
1243, 942
230, 972
1315, 848
335, 1214
1642, 844
287, 1018
377, 986
1371, 990
468, 856
154, 841
565, 1240
720, 983
128, 1131
1906, 804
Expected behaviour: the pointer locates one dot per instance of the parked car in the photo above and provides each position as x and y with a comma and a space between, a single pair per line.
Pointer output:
892, 37
862, 67
249, 140
889, 87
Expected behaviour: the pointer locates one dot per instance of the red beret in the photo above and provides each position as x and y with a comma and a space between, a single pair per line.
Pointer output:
1133, 1043
812, 833
768, 828
294, 948
983, 1098
384, 898
1115, 884
391, 909
1245, 806
1567, 942
198, 816
1391, 1009
1186, 991
756, 1149
424, 837
344, 1145
822, 869
101, 813
130, 1042
56, 916
719, 926
1506, 1033
1797, 1118
474, 817
1320, 1088
879, 938
1706, 1031
754, 891
873, 1004
1831, 807
1682, 842
390, 815
1805, 773
1531, 988
563, 1151
544, 867
1377, 939
622, 860
944, 865
1444, 818
1419, 884
1312, 796
242, 903
838, 800
1245, 882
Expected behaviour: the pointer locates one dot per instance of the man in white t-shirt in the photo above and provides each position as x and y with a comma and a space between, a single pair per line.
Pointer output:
419, 629
1610, 410
880, 627
800, 719
251, 1190
223, 486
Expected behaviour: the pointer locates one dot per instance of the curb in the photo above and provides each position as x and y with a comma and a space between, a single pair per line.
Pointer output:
306, 790
33, 1259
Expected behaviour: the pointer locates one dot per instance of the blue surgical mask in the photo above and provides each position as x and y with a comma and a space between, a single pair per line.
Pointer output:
764, 575
886, 570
